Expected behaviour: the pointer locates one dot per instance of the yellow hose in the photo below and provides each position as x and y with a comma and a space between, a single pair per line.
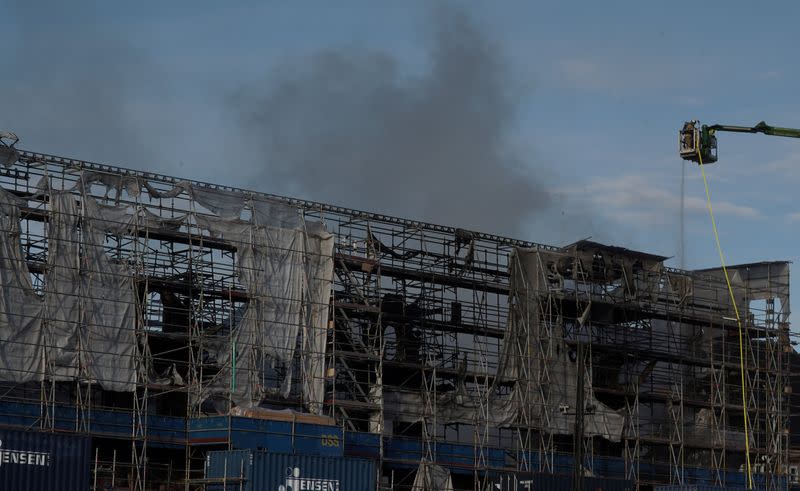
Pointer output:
738, 321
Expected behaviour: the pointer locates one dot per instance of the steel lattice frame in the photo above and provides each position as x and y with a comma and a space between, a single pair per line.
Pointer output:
462, 288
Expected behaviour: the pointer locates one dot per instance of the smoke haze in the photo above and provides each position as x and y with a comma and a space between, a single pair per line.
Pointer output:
348, 127
72, 86
429, 139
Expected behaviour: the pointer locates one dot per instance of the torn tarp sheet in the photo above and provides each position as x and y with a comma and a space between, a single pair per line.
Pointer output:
21, 346
273, 273
177, 190
287, 273
758, 281
127, 220
273, 213
432, 477
86, 319
449, 408
116, 182
544, 388
109, 324
62, 300
226, 204
536, 353
319, 247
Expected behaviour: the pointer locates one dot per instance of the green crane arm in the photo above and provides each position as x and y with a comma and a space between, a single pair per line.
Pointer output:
698, 143
761, 127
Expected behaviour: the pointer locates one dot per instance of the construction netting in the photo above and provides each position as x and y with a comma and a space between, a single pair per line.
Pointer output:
86, 321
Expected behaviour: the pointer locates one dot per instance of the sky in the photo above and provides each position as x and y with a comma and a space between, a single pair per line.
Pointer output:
548, 121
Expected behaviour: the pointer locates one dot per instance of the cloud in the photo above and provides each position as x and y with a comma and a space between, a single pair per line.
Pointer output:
638, 199
631, 72
770, 75
786, 166
793, 217
584, 73
689, 100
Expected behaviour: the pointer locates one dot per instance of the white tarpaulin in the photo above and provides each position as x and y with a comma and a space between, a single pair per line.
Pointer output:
21, 346
62, 301
84, 325
432, 477
536, 353
109, 324
319, 246
450, 408
288, 273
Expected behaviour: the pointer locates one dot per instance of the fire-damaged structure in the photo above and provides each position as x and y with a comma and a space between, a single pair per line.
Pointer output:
166, 318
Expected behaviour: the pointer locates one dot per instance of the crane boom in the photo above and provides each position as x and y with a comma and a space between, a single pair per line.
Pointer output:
698, 143
761, 127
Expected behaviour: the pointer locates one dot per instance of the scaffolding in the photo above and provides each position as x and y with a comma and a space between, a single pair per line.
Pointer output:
137, 306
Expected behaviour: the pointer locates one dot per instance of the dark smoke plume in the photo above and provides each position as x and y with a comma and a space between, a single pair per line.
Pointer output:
350, 127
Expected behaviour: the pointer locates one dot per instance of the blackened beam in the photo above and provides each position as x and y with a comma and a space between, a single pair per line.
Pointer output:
693, 442
449, 373
656, 308
358, 311
430, 277
27, 213
663, 396
177, 286
28, 157
352, 262
646, 353
410, 367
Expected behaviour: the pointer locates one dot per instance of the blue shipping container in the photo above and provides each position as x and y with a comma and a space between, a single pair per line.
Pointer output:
526, 481
261, 434
700, 487
358, 444
36, 461
460, 458
257, 470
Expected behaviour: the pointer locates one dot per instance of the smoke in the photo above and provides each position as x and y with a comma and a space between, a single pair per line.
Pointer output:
351, 127
73, 86
429, 139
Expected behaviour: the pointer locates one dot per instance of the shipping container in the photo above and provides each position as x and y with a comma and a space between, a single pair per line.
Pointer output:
257, 470
359, 444
758, 485
460, 457
701, 487
162, 431
36, 461
526, 481
274, 436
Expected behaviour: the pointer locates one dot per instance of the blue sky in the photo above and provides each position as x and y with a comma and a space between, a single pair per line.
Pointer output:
601, 89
